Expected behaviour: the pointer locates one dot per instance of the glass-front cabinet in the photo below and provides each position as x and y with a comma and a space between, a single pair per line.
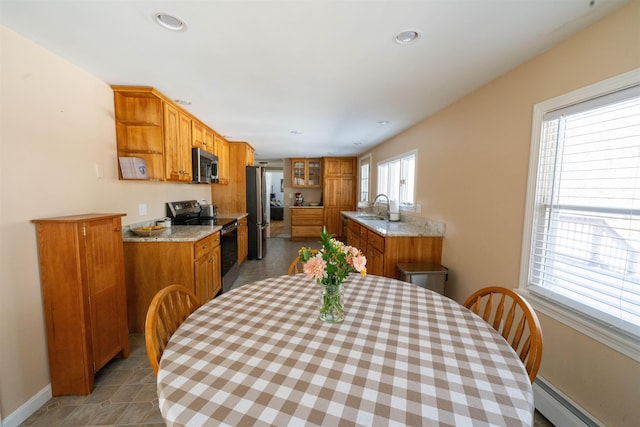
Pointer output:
306, 173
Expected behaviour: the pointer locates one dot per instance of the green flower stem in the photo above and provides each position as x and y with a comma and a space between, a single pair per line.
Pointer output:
332, 310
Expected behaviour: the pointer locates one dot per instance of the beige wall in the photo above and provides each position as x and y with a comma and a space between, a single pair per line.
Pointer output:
472, 174
56, 124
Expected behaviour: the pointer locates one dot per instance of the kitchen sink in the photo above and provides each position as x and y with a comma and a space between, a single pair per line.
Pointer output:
370, 216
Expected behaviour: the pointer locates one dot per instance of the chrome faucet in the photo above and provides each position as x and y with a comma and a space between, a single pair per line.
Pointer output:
388, 207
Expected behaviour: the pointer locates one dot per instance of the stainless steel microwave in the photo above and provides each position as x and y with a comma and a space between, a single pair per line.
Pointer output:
205, 166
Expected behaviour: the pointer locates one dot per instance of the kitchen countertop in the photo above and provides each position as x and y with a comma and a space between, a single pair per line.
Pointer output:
306, 207
414, 227
175, 233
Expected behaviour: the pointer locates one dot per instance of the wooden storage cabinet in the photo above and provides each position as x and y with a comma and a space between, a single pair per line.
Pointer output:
151, 266
306, 222
385, 252
306, 173
243, 240
83, 289
339, 191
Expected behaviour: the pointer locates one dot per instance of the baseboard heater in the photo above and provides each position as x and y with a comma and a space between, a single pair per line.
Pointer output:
559, 408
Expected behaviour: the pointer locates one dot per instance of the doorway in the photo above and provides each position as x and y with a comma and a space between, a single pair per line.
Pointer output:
274, 178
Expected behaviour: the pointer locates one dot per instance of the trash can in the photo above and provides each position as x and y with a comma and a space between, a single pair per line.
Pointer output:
424, 274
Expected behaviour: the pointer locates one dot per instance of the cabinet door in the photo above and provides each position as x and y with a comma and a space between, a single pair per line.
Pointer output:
243, 240
217, 271
198, 134
177, 149
105, 279
222, 151
185, 147
209, 141
333, 221
298, 172
204, 271
314, 173
347, 193
375, 261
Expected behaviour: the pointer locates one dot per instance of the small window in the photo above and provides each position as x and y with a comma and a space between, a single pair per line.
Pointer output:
396, 179
583, 224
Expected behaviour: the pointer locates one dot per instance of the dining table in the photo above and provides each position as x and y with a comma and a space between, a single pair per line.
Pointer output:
403, 356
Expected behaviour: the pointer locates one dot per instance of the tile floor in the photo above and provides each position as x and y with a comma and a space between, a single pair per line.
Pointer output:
125, 390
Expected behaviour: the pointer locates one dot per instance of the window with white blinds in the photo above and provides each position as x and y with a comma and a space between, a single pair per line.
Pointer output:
396, 179
585, 233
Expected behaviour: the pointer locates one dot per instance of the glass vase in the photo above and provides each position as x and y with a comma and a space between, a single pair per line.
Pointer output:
331, 302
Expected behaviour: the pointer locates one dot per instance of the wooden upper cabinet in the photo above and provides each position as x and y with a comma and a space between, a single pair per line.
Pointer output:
152, 127
197, 134
222, 151
337, 166
177, 148
306, 173
139, 132
201, 136
209, 140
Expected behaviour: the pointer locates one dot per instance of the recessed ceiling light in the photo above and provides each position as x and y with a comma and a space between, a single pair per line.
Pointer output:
383, 122
407, 36
170, 22
296, 132
183, 101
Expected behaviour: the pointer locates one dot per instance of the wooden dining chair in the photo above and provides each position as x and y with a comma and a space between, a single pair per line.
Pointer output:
296, 266
168, 309
513, 317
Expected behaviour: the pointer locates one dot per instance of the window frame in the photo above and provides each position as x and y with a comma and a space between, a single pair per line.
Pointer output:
412, 153
605, 334
362, 161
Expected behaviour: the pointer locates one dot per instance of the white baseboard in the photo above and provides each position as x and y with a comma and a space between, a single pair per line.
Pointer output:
28, 408
559, 408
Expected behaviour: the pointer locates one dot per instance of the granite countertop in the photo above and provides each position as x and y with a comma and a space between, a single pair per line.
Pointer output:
176, 233
408, 227
306, 207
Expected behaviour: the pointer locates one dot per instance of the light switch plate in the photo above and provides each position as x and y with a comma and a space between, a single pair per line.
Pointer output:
142, 209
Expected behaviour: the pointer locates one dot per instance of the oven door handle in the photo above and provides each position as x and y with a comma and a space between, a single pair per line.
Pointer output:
229, 229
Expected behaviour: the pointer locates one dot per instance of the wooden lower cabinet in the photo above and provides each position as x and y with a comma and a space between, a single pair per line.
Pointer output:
83, 289
243, 240
385, 252
151, 266
306, 222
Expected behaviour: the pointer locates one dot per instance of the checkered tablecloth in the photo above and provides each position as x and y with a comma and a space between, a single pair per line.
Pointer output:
404, 355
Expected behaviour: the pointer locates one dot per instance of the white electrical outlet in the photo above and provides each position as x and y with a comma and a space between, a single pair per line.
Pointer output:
142, 209
418, 208
99, 170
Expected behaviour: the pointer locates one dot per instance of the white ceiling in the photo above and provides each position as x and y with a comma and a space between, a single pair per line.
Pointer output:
256, 70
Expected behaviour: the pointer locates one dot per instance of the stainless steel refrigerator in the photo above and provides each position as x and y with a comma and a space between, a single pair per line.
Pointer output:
257, 210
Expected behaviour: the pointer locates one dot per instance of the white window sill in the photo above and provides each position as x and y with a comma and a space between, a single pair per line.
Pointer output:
610, 337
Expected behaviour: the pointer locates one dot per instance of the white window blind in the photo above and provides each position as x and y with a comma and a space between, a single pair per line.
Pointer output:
586, 224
